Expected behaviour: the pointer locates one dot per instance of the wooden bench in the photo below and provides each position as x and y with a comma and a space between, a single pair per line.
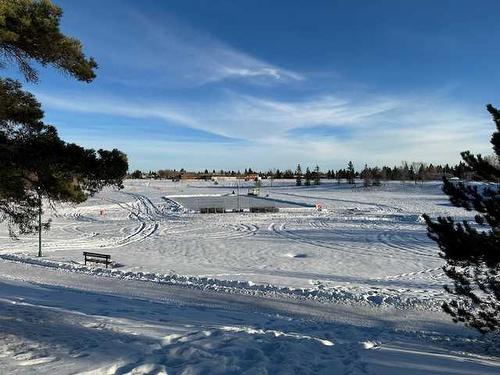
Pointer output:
97, 258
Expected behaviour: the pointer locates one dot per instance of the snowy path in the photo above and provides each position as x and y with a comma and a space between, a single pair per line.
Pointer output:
58, 322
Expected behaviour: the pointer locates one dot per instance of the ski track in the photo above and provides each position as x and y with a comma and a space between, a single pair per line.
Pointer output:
394, 244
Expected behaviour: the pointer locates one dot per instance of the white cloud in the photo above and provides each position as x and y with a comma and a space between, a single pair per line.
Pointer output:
383, 129
264, 71
178, 55
117, 107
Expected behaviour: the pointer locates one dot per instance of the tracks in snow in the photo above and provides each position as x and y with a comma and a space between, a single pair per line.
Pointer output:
150, 218
210, 231
365, 242
435, 274
146, 213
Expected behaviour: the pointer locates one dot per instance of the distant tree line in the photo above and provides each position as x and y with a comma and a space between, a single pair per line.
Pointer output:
406, 171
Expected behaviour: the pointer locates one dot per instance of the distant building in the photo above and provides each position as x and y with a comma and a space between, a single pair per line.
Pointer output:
252, 177
223, 178
189, 176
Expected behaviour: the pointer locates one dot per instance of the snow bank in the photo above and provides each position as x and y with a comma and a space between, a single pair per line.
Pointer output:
193, 195
322, 293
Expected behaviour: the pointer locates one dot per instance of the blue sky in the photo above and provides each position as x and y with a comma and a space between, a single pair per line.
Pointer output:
267, 84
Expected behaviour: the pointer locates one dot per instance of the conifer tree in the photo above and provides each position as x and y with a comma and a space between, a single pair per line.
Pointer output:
350, 173
317, 179
137, 174
34, 162
298, 175
307, 177
472, 249
405, 171
29, 32
377, 175
366, 176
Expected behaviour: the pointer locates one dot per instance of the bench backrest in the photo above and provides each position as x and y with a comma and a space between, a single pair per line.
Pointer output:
97, 255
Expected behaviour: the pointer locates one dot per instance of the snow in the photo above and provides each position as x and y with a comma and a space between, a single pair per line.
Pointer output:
354, 288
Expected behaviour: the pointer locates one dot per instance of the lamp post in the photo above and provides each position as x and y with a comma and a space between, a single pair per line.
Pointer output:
238, 193
39, 223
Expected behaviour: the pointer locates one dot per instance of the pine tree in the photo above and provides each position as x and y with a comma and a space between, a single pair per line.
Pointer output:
29, 31
366, 176
34, 162
350, 173
317, 179
137, 174
411, 174
307, 177
405, 171
472, 249
298, 175
377, 175
288, 174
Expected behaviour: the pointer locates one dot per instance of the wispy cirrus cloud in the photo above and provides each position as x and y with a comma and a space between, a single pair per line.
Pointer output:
232, 115
380, 129
178, 55
117, 107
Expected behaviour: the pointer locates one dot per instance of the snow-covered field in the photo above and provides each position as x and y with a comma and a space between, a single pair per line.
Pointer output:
352, 289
